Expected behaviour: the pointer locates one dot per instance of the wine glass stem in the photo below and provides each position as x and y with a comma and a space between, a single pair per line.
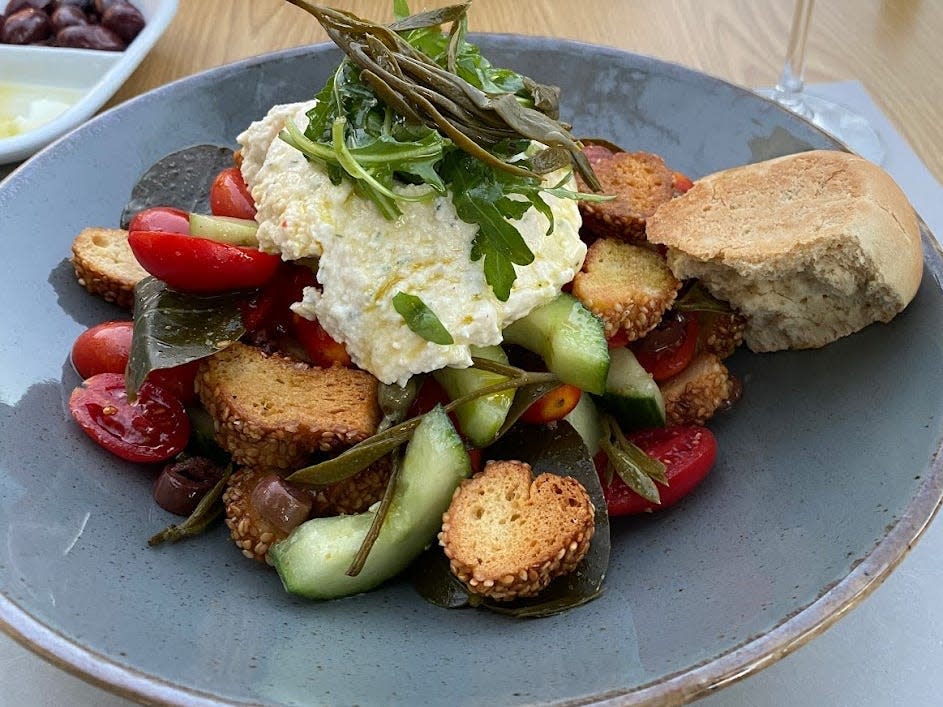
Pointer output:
792, 79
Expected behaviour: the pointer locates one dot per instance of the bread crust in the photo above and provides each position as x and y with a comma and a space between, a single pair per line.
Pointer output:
809, 247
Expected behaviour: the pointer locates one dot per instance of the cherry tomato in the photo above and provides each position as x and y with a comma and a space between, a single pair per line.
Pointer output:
229, 195
618, 340
554, 405
668, 348
104, 348
688, 453
153, 428
269, 308
161, 218
323, 350
200, 265
681, 182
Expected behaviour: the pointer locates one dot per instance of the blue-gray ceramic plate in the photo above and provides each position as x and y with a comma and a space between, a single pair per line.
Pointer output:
826, 474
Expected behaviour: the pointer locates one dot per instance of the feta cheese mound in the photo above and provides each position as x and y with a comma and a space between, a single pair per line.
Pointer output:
364, 259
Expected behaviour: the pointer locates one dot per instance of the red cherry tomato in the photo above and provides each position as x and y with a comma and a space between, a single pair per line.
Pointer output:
200, 265
688, 453
554, 405
323, 350
668, 348
153, 428
229, 195
618, 340
161, 218
681, 182
106, 347
269, 308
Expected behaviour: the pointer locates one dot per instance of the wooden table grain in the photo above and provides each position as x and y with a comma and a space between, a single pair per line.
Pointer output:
892, 46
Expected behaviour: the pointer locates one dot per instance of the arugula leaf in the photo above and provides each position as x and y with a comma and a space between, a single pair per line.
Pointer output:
421, 319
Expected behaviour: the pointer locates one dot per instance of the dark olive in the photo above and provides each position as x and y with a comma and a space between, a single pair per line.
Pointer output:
15, 6
181, 485
123, 19
67, 16
84, 5
281, 504
90, 37
100, 6
26, 26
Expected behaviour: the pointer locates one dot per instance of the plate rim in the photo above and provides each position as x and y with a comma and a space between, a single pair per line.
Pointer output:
747, 658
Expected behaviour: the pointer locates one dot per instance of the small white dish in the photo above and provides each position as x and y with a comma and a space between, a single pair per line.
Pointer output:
82, 78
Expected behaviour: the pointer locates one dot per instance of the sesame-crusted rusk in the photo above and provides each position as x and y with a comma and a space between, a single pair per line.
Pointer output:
507, 535
640, 182
628, 286
273, 412
694, 395
354, 494
720, 333
105, 265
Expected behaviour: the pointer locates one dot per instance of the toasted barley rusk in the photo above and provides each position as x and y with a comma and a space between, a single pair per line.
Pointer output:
641, 183
105, 265
355, 494
694, 395
507, 535
720, 333
271, 412
628, 286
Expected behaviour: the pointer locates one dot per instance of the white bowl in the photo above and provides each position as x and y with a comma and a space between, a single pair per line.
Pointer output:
85, 78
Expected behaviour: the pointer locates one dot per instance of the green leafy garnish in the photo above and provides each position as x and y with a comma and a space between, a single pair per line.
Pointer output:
412, 104
172, 328
638, 470
421, 319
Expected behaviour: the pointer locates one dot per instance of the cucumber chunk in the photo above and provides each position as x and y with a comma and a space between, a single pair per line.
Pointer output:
225, 229
569, 338
587, 422
632, 396
481, 418
313, 560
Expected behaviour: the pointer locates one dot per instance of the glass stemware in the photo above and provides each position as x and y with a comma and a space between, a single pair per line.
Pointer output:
790, 92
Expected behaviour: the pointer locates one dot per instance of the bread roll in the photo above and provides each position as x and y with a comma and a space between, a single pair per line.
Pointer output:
809, 247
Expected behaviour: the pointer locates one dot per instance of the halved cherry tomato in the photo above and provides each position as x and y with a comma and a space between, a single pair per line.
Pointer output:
618, 340
269, 308
106, 347
161, 218
200, 265
554, 405
668, 348
323, 350
229, 195
688, 453
153, 428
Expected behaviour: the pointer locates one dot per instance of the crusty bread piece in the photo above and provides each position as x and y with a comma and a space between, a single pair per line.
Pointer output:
628, 286
271, 412
808, 247
641, 183
105, 265
507, 535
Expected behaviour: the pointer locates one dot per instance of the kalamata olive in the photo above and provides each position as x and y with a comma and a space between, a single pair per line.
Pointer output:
89, 37
181, 485
281, 504
26, 26
67, 16
15, 6
84, 5
123, 19
100, 6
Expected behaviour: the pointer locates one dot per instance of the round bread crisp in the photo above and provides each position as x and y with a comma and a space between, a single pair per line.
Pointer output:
809, 247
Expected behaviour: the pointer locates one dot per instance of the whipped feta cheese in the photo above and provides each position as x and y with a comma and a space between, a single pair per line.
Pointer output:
364, 259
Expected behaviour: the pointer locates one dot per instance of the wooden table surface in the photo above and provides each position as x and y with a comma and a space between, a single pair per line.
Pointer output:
892, 46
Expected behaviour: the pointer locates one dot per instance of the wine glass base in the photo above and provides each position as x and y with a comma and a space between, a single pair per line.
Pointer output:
835, 119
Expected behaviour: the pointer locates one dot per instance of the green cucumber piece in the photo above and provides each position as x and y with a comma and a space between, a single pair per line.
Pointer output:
225, 229
313, 560
569, 338
481, 418
632, 396
587, 422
